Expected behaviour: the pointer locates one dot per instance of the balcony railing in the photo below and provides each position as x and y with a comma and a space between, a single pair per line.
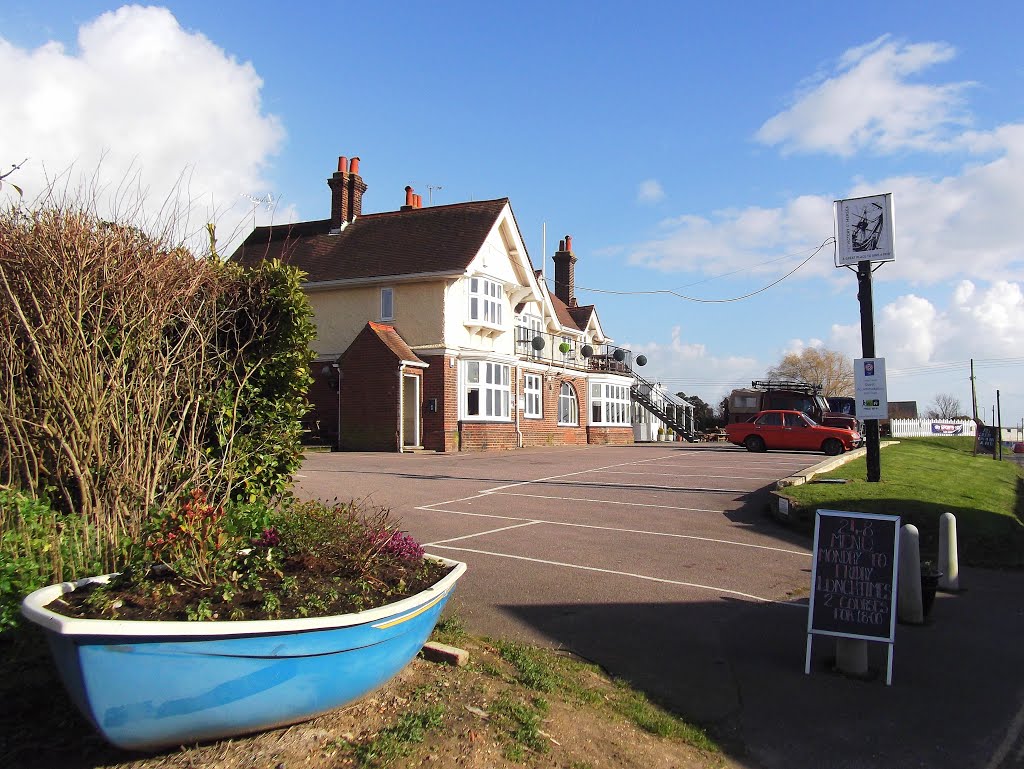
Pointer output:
566, 352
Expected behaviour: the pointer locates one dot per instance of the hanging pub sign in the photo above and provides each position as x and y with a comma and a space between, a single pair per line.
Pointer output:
853, 578
864, 230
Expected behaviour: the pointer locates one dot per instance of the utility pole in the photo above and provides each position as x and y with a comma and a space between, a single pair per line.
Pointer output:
974, 393
867, 341
999, 427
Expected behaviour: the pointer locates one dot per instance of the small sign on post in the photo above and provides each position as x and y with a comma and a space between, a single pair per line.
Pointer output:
853, 579
872, 401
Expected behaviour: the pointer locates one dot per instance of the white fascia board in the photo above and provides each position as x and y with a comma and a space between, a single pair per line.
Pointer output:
411, 277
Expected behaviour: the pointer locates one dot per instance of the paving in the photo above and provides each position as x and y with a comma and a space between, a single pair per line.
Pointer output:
658, 562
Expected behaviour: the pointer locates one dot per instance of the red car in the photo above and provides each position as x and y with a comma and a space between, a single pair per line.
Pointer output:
791, 430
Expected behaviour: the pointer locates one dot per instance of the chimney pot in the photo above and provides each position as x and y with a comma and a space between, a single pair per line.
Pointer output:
561, 245
342, 165
568, 241
354, 167
419, 200
408, 196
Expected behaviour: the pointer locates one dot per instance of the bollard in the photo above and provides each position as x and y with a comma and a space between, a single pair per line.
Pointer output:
948, 563
909, 606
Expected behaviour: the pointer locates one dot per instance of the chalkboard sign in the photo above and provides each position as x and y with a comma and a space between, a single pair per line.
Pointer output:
985, 443
853, 581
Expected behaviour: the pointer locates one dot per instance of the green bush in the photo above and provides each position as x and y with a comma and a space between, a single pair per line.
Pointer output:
38, 547
134, 373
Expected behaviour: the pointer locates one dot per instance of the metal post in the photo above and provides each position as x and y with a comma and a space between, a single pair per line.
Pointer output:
867, 340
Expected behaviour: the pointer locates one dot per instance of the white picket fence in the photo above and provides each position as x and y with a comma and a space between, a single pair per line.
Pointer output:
918, 428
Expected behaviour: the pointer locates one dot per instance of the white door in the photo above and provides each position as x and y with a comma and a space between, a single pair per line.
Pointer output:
410, 410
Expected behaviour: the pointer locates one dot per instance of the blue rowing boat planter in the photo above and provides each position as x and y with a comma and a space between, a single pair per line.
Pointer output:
147, 685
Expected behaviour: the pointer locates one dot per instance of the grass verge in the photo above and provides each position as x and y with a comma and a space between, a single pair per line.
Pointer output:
922, 478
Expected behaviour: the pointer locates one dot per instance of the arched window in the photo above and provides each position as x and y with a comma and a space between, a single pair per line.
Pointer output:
568, 406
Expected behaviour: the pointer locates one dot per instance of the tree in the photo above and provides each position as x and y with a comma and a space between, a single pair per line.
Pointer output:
946, 406
820, 366
703, 413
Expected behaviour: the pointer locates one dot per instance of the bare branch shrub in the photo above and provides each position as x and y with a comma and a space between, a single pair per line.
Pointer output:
132, 372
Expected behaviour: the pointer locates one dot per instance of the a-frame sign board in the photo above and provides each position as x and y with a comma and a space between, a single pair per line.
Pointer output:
853, 580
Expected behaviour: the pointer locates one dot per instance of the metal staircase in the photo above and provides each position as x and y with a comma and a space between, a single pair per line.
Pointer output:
641, 392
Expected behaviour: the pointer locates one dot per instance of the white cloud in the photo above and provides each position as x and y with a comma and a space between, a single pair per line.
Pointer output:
650, 191
916, 336
686, 366
143, 100
739, 239
869, 102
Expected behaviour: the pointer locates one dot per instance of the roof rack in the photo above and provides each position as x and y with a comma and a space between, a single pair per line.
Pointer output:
782, 384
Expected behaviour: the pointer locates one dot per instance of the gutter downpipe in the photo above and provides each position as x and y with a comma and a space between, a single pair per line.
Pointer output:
515, 405
401, 406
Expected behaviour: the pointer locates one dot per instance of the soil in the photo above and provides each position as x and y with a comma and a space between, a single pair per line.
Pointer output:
307, 587
40, 728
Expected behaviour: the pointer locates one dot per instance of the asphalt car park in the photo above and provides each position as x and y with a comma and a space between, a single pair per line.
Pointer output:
659, 562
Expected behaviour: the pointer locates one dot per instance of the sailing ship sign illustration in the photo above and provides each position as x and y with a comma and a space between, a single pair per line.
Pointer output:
864, 230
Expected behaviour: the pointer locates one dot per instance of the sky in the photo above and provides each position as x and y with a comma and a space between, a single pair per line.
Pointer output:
693, 151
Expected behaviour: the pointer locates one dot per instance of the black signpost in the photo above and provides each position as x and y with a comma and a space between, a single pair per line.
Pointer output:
853, 580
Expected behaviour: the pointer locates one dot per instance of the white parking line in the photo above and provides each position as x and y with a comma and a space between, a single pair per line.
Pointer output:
616, 529
719, 590
646, 486
604, 502
578, 472
484, 533
696, 475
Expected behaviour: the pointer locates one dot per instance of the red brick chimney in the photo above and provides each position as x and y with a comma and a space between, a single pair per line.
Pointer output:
565, 272
347, 188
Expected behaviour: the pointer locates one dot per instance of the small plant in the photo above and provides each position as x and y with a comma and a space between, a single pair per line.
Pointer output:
395, 742
201, 562
521, 723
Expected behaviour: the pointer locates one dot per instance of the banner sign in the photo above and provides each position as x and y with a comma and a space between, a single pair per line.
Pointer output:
947, 428
864, 230
869, 387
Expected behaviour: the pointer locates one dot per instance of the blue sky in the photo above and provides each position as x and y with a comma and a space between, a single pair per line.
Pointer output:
693, 147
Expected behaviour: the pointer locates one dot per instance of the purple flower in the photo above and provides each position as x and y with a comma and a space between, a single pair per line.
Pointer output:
269, 538
399, 544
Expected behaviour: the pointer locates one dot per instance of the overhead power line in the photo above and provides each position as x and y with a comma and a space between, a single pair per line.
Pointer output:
675, 293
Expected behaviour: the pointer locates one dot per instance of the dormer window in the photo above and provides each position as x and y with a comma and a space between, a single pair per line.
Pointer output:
485, 300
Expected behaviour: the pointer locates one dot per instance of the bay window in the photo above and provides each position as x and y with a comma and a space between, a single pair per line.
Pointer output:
609, 404
488, 394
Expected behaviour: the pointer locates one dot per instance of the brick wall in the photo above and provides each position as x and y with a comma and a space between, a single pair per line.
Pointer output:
610, 436
547, 431
488, 436
440, 381
369, 395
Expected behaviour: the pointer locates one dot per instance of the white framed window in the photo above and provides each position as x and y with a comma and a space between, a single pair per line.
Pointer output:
387, 304
609, 404
488, 394
532, 401
568, 406
486, 298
